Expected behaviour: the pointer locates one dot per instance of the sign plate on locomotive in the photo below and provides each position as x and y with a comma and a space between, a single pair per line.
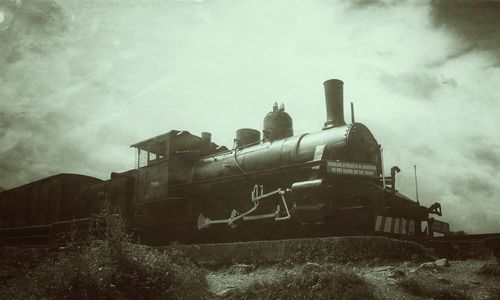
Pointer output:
351, 168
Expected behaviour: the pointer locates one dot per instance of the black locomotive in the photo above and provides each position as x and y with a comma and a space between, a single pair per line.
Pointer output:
186, 188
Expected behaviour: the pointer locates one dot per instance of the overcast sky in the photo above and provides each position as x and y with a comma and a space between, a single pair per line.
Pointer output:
81, 80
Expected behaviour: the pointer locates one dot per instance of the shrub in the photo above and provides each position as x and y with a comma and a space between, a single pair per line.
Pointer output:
322, 284
420, 289
111, 267
494, 294
413, 287
490, 270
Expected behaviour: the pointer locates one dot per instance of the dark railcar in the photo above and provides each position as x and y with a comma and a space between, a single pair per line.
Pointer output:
45, 201
114, 195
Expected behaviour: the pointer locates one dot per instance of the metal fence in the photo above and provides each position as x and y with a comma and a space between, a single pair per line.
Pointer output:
51, 235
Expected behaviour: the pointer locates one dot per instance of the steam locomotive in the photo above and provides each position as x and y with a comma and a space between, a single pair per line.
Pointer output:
187, 188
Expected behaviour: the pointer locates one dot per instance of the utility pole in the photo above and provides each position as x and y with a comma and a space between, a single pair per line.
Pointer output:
416, 182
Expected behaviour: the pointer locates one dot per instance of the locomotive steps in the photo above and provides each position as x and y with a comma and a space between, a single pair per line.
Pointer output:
327, 250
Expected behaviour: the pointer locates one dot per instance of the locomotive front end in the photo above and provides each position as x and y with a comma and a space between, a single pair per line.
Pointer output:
357, 143
297, 179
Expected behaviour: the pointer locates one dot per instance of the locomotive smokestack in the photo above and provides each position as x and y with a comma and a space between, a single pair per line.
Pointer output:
334, 95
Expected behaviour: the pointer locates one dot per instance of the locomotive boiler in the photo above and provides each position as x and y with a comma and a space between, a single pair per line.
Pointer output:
275, 185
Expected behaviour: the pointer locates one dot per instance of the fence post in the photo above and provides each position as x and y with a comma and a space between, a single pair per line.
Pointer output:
51, 236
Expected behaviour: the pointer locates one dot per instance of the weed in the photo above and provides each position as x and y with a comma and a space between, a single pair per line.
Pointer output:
494, 294
490, 270
321, 284
110, 267
420, 289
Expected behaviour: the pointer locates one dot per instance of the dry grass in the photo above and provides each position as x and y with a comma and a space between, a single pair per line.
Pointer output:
490, 270
420, 289
109, 268
320, 284
494, 294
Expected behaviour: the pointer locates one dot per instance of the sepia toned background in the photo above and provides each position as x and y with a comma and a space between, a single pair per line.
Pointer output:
81, 80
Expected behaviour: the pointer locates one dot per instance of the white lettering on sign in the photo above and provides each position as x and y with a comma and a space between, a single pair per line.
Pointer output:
350, 168
154, 184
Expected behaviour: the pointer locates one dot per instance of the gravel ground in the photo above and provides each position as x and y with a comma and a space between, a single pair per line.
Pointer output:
459, 276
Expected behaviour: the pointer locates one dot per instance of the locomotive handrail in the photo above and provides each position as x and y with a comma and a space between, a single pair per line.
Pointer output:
288, 216
308, 164
205, 222
256, 197
256, 194
235, 156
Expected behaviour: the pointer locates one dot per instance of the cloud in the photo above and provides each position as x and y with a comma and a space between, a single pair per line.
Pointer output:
82, 80
471, 186
475, 23
364, 4
40, 95
489, 156
454, 53
423, 150
415, 85
34, 29
5, 17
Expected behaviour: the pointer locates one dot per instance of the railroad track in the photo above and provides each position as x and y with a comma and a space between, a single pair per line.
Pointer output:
59, 234
465, 246
468, 238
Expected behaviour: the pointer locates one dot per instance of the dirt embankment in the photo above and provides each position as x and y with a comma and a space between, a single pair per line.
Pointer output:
382, 280
345, 268
330, 268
